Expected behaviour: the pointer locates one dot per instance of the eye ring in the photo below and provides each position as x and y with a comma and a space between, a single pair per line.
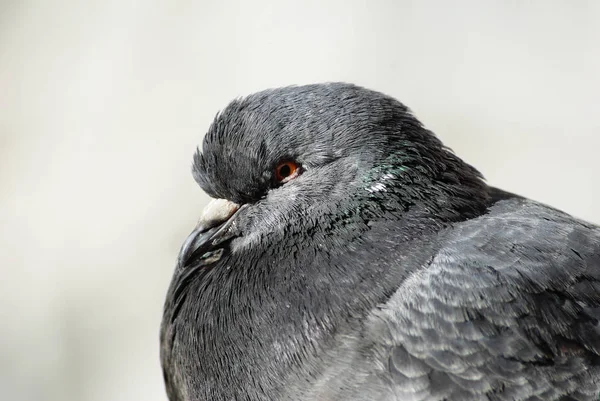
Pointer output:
286, 170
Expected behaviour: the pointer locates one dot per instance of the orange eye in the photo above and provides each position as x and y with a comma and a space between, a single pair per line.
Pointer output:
285, 171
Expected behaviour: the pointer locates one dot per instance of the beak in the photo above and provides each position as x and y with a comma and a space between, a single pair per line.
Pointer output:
212, 229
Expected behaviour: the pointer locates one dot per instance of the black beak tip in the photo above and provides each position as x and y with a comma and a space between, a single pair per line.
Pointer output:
196, 244
206, 235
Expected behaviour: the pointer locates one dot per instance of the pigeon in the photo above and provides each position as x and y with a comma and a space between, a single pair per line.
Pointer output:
349, 255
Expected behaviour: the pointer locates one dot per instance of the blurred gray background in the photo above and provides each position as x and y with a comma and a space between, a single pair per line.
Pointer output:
102, 104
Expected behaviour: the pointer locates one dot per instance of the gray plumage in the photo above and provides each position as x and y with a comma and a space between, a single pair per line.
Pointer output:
386, 270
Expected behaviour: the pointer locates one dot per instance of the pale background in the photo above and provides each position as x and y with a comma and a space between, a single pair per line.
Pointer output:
103, 102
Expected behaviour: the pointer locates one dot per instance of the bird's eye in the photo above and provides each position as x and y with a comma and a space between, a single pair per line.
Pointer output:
286, 171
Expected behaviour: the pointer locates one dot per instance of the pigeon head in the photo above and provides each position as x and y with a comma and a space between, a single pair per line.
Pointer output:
330, 132
285, 151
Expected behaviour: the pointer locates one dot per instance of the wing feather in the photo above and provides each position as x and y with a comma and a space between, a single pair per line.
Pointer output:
508, 309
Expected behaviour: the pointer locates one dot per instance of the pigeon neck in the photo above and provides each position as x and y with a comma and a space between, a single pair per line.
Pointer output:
442, 186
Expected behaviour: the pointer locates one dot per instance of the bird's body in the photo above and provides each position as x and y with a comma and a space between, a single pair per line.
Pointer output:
386, 269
